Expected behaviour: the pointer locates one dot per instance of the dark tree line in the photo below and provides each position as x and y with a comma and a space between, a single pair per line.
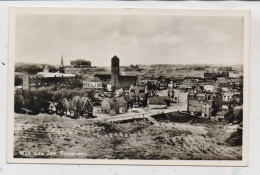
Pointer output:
33, 68
37, 101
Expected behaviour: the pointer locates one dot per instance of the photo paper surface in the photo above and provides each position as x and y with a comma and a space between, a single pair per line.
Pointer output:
128, 86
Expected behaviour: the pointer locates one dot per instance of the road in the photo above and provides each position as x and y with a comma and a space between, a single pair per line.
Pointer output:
143, 113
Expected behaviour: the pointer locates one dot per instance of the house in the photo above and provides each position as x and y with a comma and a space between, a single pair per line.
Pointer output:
83, 107
114, 106
206, 108
227, 96
93, 83
177, 95
195, 106
160, 102
64, 107
208, 88
225, 89
238, 98
176, 81
231, 128
221, 115
163, 83
126, 81
139, 95
210, 96
77, 107
200, 96
197, 89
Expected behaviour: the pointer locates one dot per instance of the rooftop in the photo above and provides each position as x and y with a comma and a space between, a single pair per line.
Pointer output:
54, 74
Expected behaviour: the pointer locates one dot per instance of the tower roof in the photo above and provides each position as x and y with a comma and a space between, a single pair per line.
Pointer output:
115, 58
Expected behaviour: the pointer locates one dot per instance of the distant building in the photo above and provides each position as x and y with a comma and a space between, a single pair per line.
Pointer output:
206, 109
231, 128
76, 66
134, 66
208, 87
177, 95
114, 106
227, 96
229, 68
118, 81
159, 102
139, 95
200, 68
195, 106
93, 83
215, 75
201, 103
77, 107
46, 78
75, 71
64, 107
163, 83
80, 63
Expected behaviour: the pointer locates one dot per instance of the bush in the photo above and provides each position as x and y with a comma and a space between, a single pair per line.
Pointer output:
18, 103
18, 80
34, 100
235, 138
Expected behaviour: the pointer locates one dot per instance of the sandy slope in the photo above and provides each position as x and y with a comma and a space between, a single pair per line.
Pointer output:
69, 138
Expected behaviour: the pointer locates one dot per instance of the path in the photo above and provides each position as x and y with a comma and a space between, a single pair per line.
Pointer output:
147, 115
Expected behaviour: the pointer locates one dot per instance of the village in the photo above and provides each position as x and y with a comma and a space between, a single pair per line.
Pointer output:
146, 93
217, 93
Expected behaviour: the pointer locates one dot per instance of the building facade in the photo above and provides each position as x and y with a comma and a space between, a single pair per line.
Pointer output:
93, 83
80, 63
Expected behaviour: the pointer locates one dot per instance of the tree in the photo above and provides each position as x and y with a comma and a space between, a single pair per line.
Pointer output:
18, 80
18, 103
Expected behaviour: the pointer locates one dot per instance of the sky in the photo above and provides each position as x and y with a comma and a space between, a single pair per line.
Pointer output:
134, 39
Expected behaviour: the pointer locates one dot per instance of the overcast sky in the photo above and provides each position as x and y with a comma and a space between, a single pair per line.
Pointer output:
134, 39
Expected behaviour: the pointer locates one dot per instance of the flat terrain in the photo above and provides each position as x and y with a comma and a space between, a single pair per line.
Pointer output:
51, 136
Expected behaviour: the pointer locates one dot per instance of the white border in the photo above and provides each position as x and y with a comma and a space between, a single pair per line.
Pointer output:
124, 11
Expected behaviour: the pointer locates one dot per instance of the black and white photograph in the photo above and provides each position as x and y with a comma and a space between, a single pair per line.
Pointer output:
128, 86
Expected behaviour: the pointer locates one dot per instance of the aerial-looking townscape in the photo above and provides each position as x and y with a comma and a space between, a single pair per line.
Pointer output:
170, 90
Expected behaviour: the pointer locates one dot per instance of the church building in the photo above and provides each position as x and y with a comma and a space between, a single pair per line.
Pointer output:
120, 81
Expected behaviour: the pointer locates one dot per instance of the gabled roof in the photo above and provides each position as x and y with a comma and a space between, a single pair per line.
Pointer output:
115, 102
66, 104
80, 102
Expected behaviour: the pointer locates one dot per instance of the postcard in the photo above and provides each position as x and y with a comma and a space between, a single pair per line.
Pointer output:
128, 86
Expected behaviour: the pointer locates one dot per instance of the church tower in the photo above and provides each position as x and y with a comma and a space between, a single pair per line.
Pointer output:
62, 69
114, 73
61, 61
